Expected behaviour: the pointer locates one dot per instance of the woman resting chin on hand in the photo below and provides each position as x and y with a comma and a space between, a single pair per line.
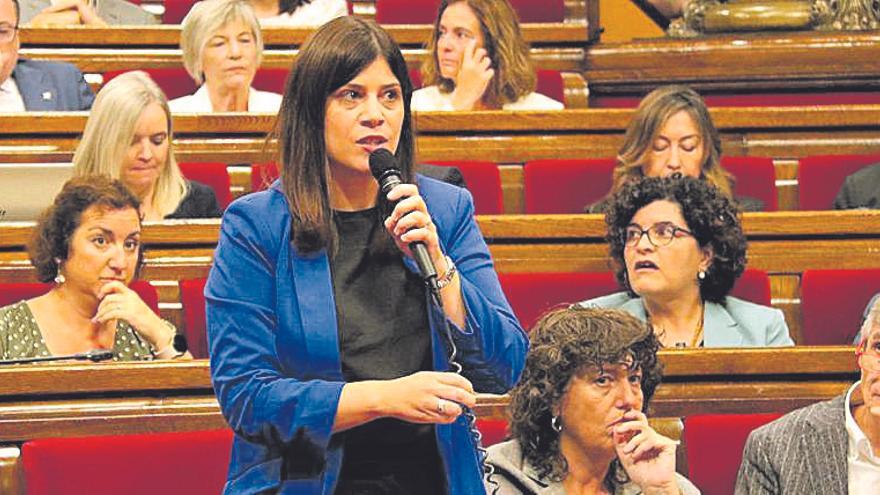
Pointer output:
88, 243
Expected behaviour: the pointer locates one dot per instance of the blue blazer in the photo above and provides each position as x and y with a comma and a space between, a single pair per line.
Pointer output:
51, 86
274, 348
736, 323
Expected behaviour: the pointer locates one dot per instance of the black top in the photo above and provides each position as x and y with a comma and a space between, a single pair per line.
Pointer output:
383, 334
199, 202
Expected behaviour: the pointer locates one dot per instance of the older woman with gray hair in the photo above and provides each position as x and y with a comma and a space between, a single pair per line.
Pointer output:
222, 49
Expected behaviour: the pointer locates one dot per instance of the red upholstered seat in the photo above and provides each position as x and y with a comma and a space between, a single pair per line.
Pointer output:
214, 175
424, 11
820, 177
176, 10
192, 296
180, 462
14, 292
263, 175
493, 431
715, 446
832, 304
550, 84
532, 294
755, 177
274, 80
415, 75
174, 81
754, 286
565, 186
484, 182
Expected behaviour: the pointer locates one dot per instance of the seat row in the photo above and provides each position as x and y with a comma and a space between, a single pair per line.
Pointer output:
832, 301
567, 186
403, 11
195, 462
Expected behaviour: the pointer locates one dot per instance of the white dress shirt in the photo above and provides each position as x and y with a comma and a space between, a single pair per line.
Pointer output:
10, 97
314, 13
431, 99
863, 467
200, 102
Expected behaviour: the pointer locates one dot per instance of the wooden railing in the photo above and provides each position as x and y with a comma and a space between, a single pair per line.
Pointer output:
784, 244
824, 61
79, 400
507, 138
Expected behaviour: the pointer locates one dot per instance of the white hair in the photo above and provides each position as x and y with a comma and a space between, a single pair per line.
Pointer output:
203, 21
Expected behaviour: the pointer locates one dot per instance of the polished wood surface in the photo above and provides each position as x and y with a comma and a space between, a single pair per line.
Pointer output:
783, 243
168, 36
115, 398
499, 136
100, 60
829, 61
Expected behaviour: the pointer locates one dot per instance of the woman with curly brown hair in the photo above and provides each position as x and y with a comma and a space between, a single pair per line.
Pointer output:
479, 61
577, 420
678, 247
89, 243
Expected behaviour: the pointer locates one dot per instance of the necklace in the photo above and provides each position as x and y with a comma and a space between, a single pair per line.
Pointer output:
697, 341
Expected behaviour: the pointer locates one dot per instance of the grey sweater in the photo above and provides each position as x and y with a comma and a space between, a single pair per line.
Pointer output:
515, 476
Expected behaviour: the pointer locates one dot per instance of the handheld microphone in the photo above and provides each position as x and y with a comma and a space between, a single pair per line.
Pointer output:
94, 355
384, 168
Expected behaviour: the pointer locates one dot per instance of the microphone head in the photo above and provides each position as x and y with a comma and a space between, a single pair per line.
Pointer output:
382, 162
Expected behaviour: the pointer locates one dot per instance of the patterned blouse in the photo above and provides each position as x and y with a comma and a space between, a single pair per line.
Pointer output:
20, 337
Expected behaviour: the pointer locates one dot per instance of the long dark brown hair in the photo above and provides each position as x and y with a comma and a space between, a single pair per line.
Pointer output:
332, 57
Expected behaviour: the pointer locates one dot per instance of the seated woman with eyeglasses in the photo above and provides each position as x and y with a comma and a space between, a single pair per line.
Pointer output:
678, 247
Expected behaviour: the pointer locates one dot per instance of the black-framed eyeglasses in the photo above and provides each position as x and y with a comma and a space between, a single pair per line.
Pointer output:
659, 234
7, 32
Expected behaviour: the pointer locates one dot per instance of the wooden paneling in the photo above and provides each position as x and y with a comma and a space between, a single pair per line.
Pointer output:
115, 398
784, 244
831, 61
502, 137
100, 60
168, 36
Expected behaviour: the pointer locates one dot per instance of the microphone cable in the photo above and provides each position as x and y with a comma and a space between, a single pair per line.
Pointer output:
482, 454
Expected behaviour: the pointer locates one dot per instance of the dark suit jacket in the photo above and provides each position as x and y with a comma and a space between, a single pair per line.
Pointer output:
51, 86
801, 452
199, 202
449, 175
860, 190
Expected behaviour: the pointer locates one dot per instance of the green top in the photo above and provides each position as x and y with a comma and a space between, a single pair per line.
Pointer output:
20, 337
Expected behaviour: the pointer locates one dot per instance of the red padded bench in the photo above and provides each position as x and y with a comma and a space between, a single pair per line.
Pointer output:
180, 462
715, 444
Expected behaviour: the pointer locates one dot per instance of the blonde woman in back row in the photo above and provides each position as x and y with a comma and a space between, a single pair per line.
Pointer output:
128, 137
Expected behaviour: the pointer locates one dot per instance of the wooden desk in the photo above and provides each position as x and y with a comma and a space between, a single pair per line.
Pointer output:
745, 62
507, 138
168, 36
783, 244
117, 398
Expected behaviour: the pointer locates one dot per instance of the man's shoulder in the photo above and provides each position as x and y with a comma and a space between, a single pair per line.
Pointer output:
46, 66
816, 415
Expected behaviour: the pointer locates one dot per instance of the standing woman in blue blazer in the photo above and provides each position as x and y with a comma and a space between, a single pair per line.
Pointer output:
329, 361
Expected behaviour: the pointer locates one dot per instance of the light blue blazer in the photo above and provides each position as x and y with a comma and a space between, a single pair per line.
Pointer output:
274, 346
736, 323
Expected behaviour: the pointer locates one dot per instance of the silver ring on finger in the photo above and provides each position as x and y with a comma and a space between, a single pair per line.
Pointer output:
441, 406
